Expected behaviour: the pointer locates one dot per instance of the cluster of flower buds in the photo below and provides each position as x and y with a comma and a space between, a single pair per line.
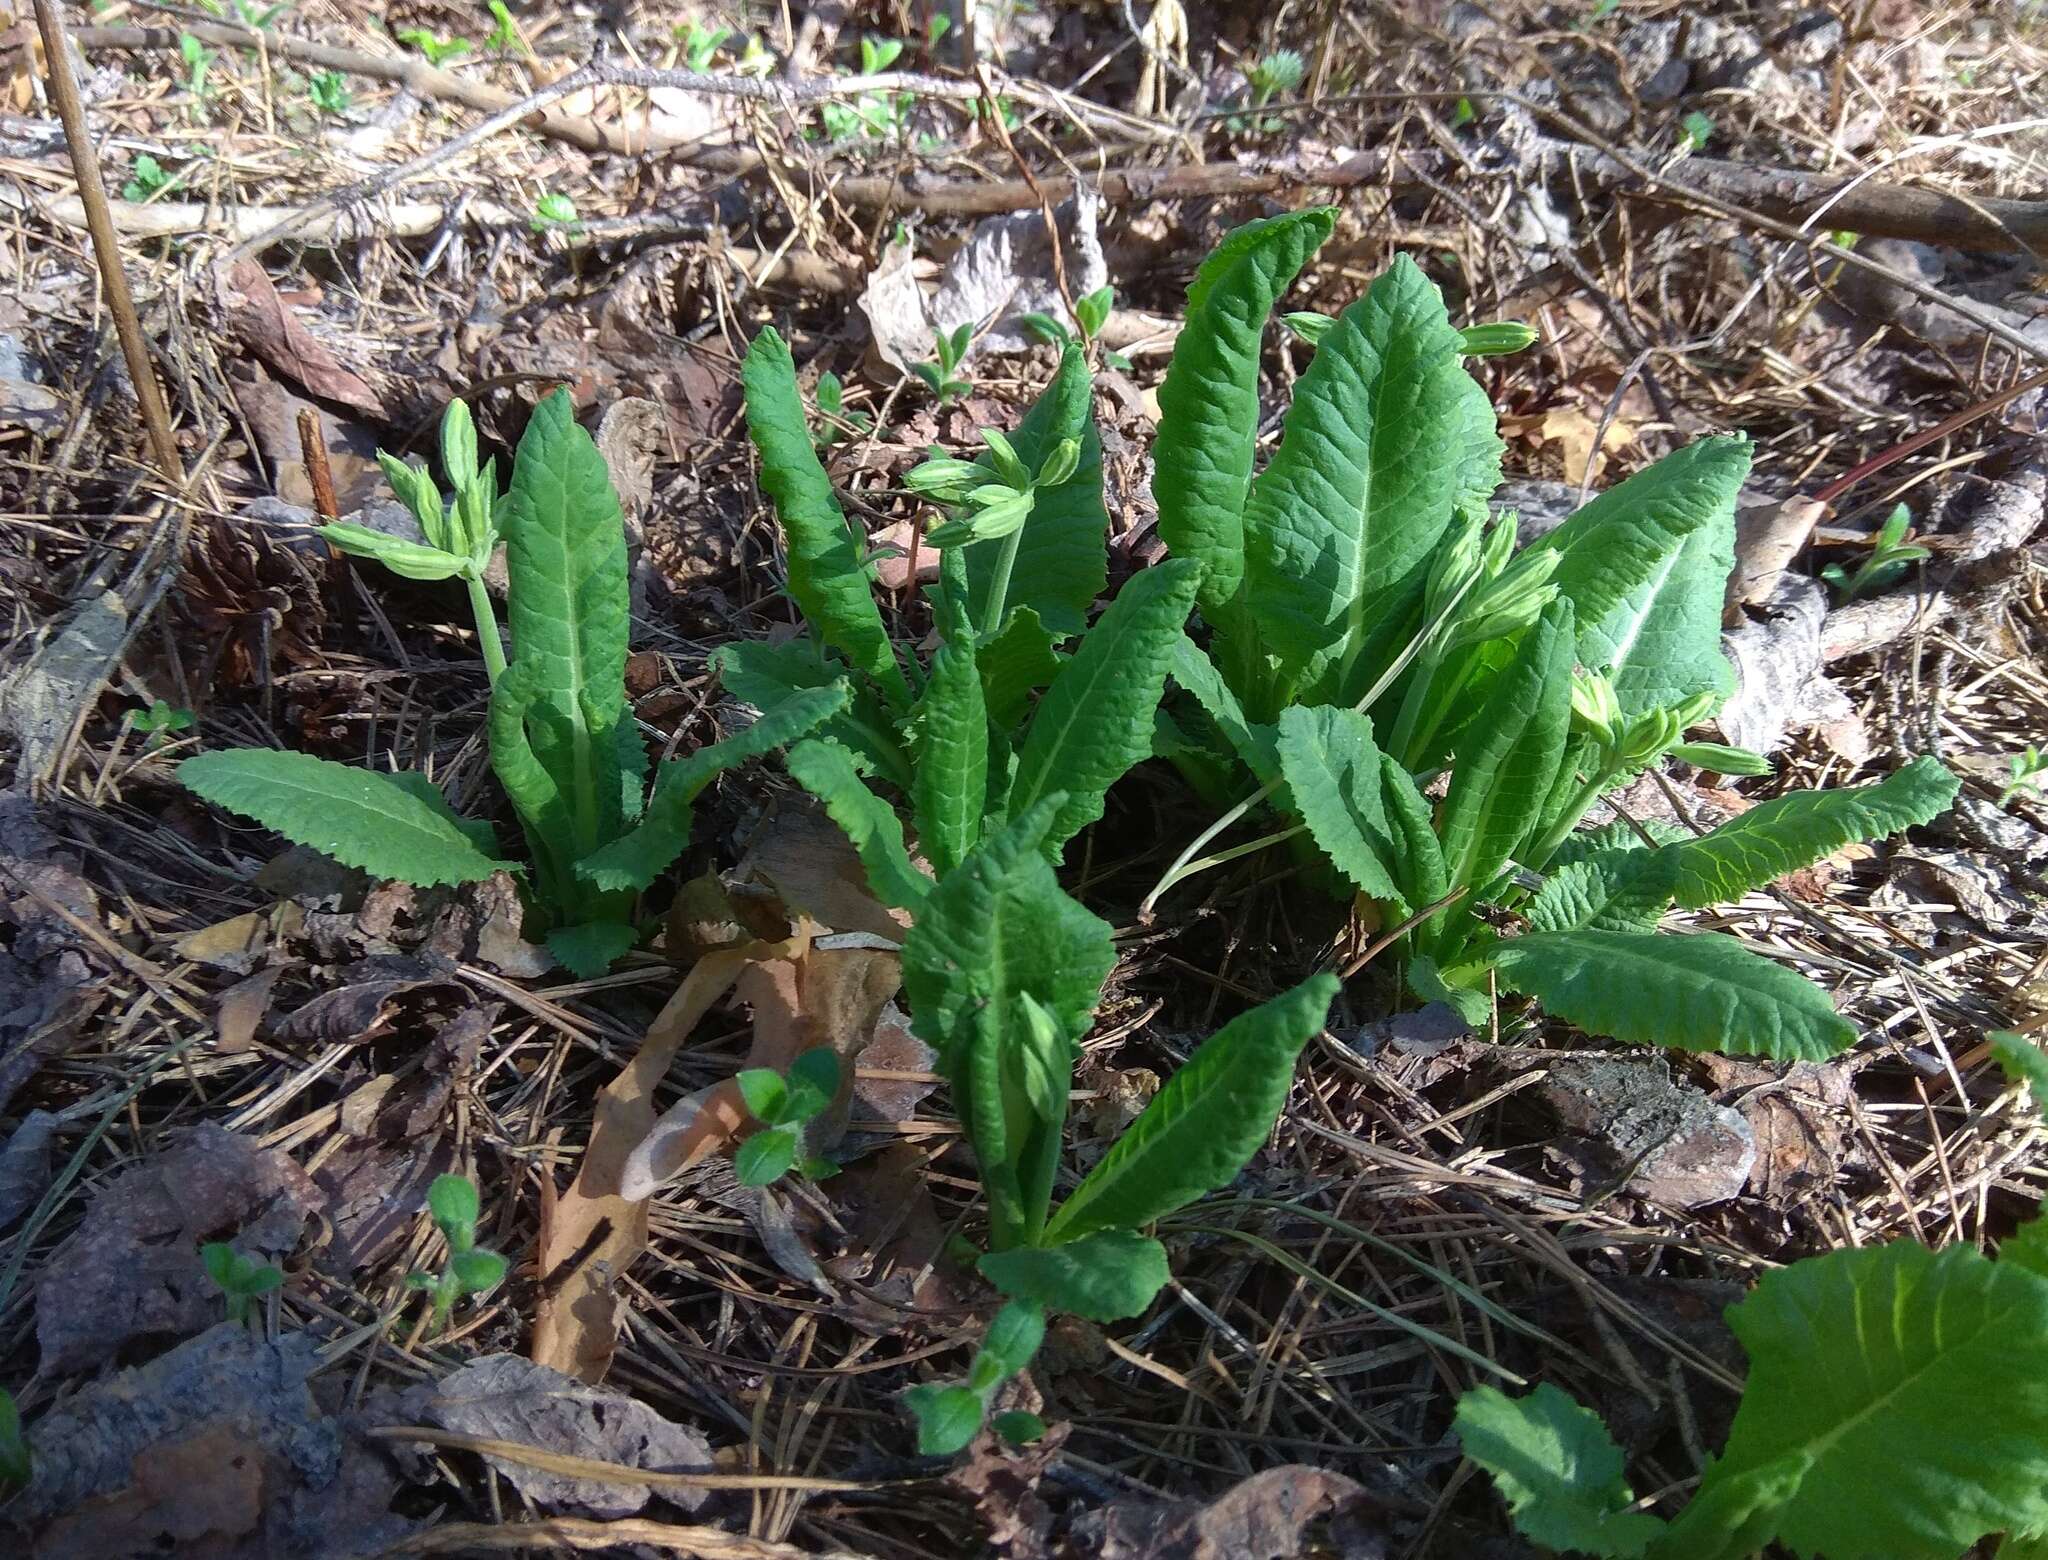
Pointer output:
461, 533
985, 511
1479, 578
1630, 743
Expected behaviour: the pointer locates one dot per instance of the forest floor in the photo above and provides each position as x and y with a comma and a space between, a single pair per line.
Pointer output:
1805, 225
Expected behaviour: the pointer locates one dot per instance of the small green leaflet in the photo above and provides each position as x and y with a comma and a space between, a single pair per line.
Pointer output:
1095, 721
827, 579
1105, 1277
1796, 830
1205, 1124
1209, 402
1915, 1381
1557, 1468
1705, 992
1333, 773
826, 770
362, 819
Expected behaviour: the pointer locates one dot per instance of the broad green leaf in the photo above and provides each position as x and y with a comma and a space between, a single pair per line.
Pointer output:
479, 830
950, 793
478, 1272
1333, 773
1209, 402
1557, 1468
360, 818
1105, 1277
1095, 721
589, 949
1254, 744
2022, 1061
1387, 436
542, 807
1614, 891
762, 674
2027, 1246
1418, 858
647, 850
1205, 1124
764, 1093
1062, 559
996, 926
1916, 1381
948, 1417
455, 1205
1016, 663
1705, 992
1798, 829
1645, 565
1732, 1518
1510, 757
827, 579
766, 1157
1013, 1337
1619, 835
827, 772
566, 606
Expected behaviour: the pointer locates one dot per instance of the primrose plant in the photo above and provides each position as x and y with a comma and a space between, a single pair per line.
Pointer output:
563, 740
1367, 629
1002, 749
1846, 1441
472, 1269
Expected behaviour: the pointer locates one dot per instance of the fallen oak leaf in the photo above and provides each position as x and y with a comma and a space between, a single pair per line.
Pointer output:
262, 322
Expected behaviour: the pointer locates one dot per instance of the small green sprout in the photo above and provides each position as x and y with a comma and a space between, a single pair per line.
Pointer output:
328, 92
1091, 313
783, 1105
1463, 114
1889, 556
554, 213
1275, 75
1697, 130
16, 1468
238, 1277
936, 29
149, 180
941, 375
878, 54
985, 511
949, 1414
504, 36
159, 720
198, 60
834, 419
257, 18
755, 60
700, 44
471, 1269
439, 51
2027, 767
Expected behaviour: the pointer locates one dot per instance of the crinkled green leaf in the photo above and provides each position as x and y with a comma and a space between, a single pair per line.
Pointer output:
360, 818
1205, 1124
589, 949
1798, 829
1209, 401
479, 830
1915, 1380
828, 773
1705, 992
647, 850
1645, 566
1614, 891
1510, 756
1418, 859
827, 578
1557, 1468
2022, 1061
1333, 774
763, 675
1095, 721
566, 605
1255, 745
1732, 1518
1105, 1277
1062, 559
950, 792
1387, 436
947, 1417
1016, 663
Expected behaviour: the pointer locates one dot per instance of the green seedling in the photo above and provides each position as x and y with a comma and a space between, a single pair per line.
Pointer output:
1696, 130
1271, 76
1845, 1442
149, 179
504, 36
755, 59
1367, 628
942, 374
834, 420
563, 741
16, 1466
160, 721
783, 1106
438, 50
238, 1277
472, 1270
1889, 557
1463, 113
701, 44
554, 214
2027, 767
936, 29
949, 1414
198, 60
1091, 313
328, 91
871, 113
257, 18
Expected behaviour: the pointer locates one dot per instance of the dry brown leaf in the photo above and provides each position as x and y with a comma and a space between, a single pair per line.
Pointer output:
260, 320
242, 1009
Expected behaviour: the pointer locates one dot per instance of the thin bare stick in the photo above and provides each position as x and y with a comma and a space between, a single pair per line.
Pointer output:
1386, 940
106, 245
313, 452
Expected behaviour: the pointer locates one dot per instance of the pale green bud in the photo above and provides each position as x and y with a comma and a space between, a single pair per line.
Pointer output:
1595, 710
1496, 339
458, 445
1457, 561
415, 489
1061, 464
944, 479
1308, 325
1008, 466
1721, 759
